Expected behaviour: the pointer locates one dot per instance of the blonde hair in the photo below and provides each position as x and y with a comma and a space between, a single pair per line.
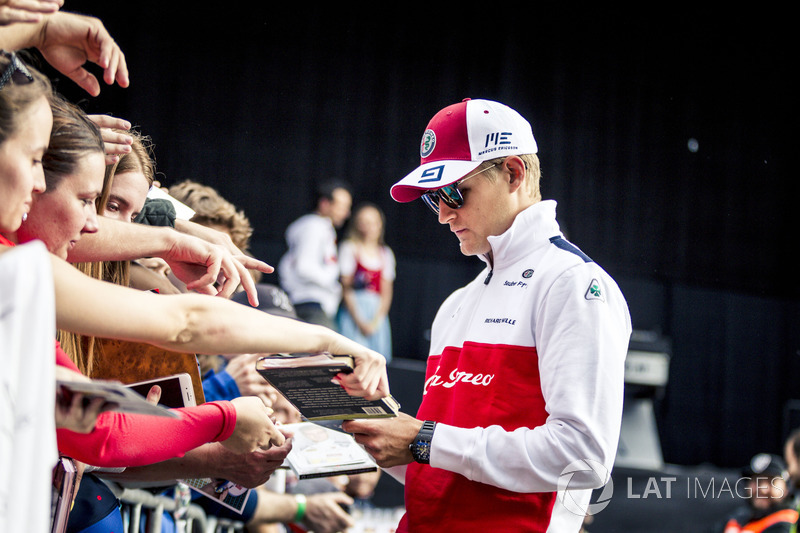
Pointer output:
351, 233
533, 173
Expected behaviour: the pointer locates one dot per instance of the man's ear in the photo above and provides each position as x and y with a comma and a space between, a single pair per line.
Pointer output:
515, 172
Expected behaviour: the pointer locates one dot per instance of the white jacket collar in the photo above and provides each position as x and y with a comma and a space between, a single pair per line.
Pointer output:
532, 227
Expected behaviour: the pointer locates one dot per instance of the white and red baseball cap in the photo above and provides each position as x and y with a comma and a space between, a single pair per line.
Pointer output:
459, 138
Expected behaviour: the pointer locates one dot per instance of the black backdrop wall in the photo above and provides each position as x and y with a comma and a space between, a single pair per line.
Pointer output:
664, 137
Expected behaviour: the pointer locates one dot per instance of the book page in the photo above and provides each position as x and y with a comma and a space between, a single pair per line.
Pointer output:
319, 451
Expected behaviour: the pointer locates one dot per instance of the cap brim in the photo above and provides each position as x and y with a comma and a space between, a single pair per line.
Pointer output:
433, 175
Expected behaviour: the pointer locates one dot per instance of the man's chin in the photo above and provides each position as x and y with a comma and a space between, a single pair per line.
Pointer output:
469, 249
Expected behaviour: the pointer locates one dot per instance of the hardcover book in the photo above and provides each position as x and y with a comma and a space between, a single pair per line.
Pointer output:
318, 451
307, 382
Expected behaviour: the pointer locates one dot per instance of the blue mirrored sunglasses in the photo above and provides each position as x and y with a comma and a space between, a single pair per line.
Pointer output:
450, 195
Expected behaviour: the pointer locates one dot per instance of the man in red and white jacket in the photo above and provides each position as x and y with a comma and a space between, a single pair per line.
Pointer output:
524, 384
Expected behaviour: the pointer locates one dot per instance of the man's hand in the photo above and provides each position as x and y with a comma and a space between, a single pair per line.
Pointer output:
26, 11
386, 440
68, 40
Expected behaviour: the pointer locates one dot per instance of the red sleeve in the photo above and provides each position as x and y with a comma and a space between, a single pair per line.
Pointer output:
62, 359
121, 439
135, 440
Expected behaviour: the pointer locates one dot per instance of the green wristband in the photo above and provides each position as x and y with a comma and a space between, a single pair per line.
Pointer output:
301, 507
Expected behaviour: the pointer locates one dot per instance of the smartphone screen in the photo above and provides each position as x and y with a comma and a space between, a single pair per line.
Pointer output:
172, 393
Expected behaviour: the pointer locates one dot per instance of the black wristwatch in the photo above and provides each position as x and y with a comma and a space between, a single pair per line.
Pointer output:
420, 447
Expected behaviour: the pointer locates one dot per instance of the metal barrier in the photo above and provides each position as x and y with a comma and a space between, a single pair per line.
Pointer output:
139, 504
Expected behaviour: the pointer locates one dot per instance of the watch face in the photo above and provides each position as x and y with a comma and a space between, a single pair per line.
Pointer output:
420, 447
420, 450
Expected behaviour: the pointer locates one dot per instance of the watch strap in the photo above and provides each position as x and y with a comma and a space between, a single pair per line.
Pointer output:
420, 447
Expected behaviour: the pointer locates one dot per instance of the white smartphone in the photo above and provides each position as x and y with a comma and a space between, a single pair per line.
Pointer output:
176, 390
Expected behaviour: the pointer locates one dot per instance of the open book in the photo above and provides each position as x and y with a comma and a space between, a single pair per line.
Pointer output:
306, 381
118, 397
318, 451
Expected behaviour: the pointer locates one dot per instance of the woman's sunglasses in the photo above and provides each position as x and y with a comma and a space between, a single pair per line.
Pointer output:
15, 70
450, 194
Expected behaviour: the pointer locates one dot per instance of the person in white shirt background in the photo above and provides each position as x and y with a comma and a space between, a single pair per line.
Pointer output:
309, 270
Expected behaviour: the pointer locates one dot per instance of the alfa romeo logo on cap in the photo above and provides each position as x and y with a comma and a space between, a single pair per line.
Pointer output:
428, 143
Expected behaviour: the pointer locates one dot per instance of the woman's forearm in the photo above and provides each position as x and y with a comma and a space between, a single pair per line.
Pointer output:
194, 323
120, 241
188, 323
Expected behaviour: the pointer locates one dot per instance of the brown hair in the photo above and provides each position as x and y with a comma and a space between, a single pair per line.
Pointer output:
140, 159
211, 209
16, 98
74, 135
